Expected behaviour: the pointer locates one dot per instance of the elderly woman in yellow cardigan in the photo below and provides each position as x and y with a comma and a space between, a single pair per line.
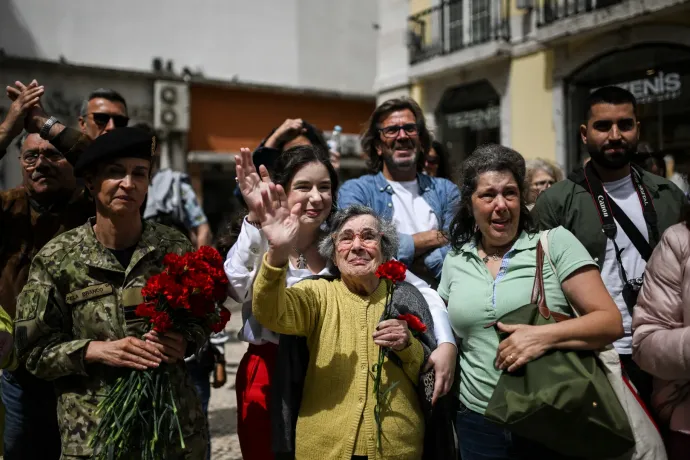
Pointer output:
341, 320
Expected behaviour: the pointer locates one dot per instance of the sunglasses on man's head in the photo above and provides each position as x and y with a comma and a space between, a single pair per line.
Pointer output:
102, 119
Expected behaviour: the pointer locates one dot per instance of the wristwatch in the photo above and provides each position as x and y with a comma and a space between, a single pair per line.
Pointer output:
45, 129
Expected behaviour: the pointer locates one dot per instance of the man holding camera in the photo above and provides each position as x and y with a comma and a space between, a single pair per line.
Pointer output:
616, 209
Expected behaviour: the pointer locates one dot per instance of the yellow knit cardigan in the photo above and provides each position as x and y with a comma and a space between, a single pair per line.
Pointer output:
336, 418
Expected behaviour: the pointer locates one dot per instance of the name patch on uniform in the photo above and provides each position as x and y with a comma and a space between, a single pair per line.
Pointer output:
87, 293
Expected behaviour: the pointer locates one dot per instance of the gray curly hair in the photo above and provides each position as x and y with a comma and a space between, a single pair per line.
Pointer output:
389, 235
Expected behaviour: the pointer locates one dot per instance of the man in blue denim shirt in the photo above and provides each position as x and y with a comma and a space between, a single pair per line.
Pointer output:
420, 206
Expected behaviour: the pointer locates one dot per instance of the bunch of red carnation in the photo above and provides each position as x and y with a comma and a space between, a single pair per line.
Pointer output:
186, 298
191, 287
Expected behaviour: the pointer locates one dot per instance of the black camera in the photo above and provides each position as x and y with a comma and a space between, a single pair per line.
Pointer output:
631, 290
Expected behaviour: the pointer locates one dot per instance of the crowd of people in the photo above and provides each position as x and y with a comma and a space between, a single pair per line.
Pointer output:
342, 362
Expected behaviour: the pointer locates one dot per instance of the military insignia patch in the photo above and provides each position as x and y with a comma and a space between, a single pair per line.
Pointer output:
91, 292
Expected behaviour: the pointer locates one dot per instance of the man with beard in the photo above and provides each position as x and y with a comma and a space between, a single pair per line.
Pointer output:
48, 202
420, 206
616, 209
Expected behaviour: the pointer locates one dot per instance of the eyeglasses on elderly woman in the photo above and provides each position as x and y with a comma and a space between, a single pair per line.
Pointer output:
368, 237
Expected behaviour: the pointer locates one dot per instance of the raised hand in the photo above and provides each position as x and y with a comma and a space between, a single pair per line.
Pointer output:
279, 224
22, 103
34, 115
290, 129
250, 182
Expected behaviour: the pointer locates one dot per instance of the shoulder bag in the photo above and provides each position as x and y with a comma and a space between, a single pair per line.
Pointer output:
562, 400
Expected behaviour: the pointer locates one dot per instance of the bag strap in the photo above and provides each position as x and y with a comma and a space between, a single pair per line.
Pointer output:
636, 238
608, 209
544, 242
538, 294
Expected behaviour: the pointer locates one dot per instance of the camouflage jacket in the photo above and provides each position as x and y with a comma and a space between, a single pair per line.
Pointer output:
77, 292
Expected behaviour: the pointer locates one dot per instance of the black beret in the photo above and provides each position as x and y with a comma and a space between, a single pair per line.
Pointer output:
118, 143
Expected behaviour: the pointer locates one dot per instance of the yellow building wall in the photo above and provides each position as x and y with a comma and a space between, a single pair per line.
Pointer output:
531, 105
417, 93
417, 6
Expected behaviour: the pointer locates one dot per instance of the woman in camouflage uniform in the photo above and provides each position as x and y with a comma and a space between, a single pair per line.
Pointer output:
75, 321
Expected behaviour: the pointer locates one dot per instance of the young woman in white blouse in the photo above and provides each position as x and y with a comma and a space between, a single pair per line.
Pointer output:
308, 178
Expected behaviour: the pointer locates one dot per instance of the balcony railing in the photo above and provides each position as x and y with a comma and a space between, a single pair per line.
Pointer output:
554, 10
456, 24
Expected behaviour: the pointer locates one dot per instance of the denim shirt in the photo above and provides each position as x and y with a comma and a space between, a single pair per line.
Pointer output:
374, 191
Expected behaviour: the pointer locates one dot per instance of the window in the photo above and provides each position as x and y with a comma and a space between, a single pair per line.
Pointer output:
480, 20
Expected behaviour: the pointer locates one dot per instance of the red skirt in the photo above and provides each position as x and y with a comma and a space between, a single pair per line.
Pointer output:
253, 388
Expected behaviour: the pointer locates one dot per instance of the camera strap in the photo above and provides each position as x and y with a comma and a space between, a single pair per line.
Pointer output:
608, 209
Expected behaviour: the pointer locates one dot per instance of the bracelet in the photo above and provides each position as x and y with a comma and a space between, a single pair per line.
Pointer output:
253, 224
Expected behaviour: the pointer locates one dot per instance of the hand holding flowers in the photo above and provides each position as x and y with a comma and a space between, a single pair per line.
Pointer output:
391, 333
182, 305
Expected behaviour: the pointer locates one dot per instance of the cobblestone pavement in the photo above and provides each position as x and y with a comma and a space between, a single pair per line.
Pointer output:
222, 410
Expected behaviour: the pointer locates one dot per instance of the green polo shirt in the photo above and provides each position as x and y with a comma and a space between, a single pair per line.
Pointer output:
475, 299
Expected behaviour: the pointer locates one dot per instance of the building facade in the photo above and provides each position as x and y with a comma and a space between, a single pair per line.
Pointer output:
517, 72
210, 76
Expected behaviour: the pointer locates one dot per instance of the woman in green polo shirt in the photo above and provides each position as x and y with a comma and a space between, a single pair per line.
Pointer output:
490, 272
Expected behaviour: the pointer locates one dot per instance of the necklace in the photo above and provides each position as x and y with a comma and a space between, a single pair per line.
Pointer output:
498, 255
494, 257
301, 260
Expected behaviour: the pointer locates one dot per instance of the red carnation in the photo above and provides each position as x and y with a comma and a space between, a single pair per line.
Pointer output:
392, 270
162, 322
199, 266
210, 256
156, 285
175, 263
413, 323
224, 318
199, 283
176, 295
145, 310
152, 288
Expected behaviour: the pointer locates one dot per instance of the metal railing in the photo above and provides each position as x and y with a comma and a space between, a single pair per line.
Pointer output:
550, 11
456, 24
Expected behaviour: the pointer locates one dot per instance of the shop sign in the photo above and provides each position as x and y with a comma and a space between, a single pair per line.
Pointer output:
660, 87
476, 120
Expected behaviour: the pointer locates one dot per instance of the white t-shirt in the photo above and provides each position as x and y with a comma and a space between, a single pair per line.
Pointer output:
623, 193
411, 213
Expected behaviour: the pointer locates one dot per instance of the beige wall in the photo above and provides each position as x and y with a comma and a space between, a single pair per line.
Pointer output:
417, 6
532, 122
